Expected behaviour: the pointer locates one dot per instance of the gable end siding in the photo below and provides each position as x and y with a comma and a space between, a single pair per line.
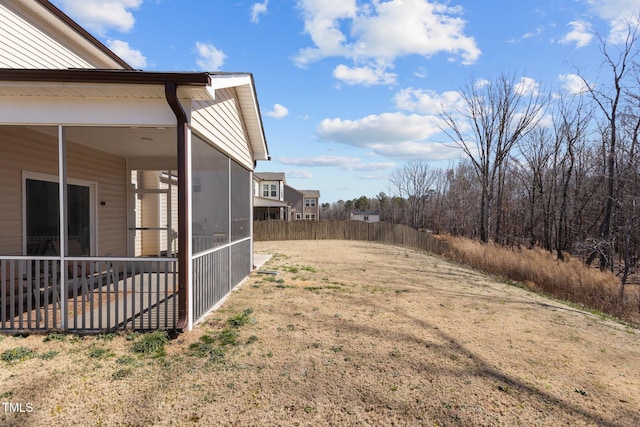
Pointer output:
25, 45
221, 123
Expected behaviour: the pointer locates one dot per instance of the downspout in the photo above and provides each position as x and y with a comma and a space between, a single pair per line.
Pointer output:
184, 265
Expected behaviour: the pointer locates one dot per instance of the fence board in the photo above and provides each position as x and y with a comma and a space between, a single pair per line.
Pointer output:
382, 232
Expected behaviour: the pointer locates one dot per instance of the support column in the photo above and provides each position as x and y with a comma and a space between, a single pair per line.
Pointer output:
64, 215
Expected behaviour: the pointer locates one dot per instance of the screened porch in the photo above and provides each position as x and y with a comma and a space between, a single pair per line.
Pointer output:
108, 260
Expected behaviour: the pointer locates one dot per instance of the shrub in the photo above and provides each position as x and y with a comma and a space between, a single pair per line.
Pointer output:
569, 280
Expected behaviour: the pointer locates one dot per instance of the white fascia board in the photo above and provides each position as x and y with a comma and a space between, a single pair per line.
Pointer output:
223, 81
197, 93
85, 111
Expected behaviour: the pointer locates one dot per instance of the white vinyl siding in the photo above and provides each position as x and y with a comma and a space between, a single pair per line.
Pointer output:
221, 123
24, 149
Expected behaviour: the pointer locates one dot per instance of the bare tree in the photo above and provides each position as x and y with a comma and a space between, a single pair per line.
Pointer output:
610, 100
571, 121
498, 114
414, 182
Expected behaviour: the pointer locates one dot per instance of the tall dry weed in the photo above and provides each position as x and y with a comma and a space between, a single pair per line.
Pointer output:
569, 280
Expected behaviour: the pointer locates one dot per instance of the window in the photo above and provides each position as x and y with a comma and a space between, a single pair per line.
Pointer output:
298, 215
274, 191
42, 213
310, 203
310, 216
265, 190
366, 218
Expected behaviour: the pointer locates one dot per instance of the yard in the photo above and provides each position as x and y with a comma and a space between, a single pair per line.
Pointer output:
348, 333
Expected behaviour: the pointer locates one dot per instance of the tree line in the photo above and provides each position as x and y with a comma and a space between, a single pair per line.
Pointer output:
556, 170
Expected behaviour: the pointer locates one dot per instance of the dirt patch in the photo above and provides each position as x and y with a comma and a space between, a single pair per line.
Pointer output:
349, 333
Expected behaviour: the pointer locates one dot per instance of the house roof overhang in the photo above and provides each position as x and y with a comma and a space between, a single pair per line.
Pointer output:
263, 202
125, 87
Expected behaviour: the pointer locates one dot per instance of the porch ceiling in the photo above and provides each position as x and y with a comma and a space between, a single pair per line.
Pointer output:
125, 142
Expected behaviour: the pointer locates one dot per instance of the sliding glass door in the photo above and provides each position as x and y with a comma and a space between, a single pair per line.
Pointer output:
42, 216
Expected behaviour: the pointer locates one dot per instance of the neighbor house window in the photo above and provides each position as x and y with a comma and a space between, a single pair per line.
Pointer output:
274, 191
298, 215
265, 190
366, 218
310, 216
310, 203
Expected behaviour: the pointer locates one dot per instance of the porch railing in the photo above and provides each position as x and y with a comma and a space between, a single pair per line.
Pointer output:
92, 293
216, 272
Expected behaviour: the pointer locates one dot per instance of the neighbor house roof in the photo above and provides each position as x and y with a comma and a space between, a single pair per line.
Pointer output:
310, 193
262, 202
270, 176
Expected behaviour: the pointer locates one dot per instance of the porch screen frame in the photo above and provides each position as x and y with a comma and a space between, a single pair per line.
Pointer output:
93, 206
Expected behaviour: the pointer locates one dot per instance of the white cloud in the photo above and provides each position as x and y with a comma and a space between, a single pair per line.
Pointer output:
100, 16
426, 101
300, 174
322, 22
278, 112
394, 135
618, 13
379, 32
209, 57
539, 30
527, 86
581, 34
406, 27
258, 9
480, 83
383, 128
572, 83
342, 162
366, 76
133, 57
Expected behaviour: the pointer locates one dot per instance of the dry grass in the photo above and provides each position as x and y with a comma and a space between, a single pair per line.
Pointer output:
570, 280
349, 333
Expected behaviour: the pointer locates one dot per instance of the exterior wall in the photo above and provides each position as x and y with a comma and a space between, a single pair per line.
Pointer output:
311, 210
221, 123
295, 199
279, 190
368, 217
42, 51
24, 149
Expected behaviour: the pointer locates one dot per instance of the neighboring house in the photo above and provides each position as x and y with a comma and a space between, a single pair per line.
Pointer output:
305, 204
268, 196
274, 199
368, 216
152, 228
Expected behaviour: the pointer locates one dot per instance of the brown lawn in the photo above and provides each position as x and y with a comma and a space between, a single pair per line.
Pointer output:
349, 333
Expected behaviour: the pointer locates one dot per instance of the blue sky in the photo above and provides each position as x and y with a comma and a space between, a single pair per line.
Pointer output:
351, 89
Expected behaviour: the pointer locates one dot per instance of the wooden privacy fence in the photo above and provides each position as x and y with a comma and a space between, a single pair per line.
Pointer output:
382, 232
